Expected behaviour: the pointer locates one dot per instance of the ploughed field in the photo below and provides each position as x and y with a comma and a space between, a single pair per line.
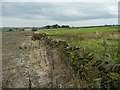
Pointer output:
20, 68
102, 41
12, 67
27, 63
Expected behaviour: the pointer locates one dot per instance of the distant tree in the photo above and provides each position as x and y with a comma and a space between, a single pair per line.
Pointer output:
34, 29
47, 27
16, 29
56, 26
22, 29
65, 26
10, 30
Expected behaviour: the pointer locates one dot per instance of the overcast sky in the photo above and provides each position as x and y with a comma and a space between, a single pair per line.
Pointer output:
69, 13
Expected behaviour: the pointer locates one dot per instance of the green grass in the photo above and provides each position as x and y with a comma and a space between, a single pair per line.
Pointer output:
92, 40
102, 41
91, 29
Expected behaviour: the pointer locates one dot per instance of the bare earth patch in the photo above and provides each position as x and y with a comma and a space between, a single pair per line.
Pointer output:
20, 65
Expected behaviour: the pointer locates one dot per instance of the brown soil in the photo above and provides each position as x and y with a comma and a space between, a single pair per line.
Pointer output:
27, 63
19, 66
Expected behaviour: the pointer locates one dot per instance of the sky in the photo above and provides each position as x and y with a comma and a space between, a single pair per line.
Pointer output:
25, 13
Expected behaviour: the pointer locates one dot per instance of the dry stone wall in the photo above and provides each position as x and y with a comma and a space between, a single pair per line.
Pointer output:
83, 62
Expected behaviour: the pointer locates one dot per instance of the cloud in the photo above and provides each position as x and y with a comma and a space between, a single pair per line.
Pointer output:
58, 12
60, 1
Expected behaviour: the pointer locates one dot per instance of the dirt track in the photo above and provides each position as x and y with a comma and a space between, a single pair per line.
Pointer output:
19, 66
32, 64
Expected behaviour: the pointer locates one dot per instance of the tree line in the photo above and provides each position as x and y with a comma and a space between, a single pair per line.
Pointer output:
56, 26
50, 27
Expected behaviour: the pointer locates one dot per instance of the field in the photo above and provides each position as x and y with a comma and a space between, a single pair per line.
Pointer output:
26, 61
12, 67
25, 65
102, 41
87, 29
16, 63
